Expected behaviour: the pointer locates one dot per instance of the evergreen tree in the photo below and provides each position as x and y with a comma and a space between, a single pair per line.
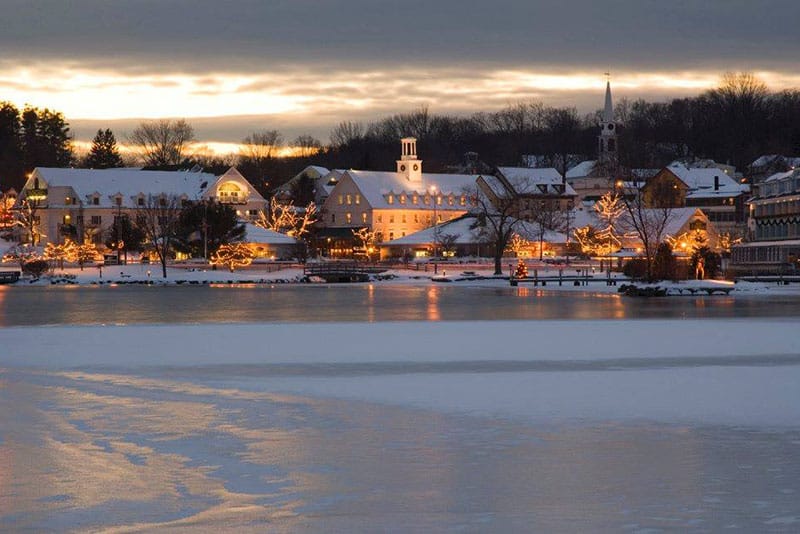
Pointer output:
10, 150
221, 224
45, 139
104, 153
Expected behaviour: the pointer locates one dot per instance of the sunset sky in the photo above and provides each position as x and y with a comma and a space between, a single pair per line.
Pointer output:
302, 66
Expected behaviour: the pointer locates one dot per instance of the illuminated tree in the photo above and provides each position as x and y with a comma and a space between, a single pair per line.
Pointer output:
365, 240
518, 244
233, 255
86, 253
610, 208
27, 218
288, 219
59, 252
522, 270
21, 254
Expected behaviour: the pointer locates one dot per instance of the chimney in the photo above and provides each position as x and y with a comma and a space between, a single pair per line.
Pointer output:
716, 183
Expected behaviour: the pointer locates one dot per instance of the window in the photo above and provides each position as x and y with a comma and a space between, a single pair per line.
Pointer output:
463, 200
402, 199
427, 200
358, 198
450, 200
348, 217
341, 199
363, 216
162, 202
349, 199
390, 199
79, 219
95, 201
97, 220
391, 219
391, 236
403, 218
439, 200
414, 199
231, 193
416, 217
333, 217
379, 218
140, 201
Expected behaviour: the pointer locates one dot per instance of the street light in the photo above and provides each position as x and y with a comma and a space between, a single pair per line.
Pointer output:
435, 218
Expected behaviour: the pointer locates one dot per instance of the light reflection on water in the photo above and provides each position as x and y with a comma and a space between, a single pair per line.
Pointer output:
360, 303
90, 451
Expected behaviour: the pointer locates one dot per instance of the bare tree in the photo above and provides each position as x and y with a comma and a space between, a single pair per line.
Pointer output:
549, 217
162, 142
365, 239
443, 241
158, 221
345, 133
496, 214
307, 145
257, 155
648, 223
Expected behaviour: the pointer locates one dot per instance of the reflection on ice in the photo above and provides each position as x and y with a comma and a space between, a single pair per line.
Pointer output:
125, 452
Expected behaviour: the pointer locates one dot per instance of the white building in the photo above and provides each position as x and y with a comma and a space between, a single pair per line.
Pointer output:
395, 204
82, 203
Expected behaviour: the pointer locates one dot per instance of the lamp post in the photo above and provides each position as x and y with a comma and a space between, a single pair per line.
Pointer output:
435, 218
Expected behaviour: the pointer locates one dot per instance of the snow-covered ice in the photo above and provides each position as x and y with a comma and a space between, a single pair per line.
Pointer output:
412, 426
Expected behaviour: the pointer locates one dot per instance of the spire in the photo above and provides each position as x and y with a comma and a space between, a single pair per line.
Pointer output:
608, 111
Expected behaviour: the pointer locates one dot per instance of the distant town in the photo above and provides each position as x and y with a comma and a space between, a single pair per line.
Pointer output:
693, 217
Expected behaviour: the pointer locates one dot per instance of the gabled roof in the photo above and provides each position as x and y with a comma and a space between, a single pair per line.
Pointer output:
374, 186
256, 234
542, 181
678, 217
581, 170
700, 182
465, 234
127, 182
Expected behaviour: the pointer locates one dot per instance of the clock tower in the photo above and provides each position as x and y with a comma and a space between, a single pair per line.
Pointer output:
408, 165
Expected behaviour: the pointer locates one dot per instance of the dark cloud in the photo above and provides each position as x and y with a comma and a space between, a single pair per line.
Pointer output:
253, 35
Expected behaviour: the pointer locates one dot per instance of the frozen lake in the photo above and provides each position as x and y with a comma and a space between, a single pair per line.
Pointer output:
361, 303
468, 426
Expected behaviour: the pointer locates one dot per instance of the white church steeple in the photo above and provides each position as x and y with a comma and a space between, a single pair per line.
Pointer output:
607, 140
408, 165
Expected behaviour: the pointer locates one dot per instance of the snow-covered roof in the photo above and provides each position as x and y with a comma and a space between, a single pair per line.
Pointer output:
466, 235
581, 170
700, 182
375, 186
128, 183
256, 234
460, 227
678, 217
541, 181
769, 159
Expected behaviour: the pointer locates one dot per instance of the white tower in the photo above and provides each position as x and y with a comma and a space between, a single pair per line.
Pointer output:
607, 140
408, 165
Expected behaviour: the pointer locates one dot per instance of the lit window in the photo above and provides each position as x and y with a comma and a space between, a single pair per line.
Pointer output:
348, 217
416, 217
363, 216
402, 199
390, 199
349, 199
358, 198
439, 200
450, 200
403, 217
427, 200
463, 200
414, 199
391, 219
341, 199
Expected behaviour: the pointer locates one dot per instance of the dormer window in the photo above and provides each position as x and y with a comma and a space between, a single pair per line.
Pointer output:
118, 200
427, 200
450, 200
140, 201
390, 198
463, 200
402, 199
95, 200
414, 199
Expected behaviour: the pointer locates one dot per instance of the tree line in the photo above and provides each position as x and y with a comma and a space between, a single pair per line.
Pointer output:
734, 123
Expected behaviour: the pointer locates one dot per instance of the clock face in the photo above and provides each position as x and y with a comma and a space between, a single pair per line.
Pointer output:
610, 126
416, 167
402, 167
